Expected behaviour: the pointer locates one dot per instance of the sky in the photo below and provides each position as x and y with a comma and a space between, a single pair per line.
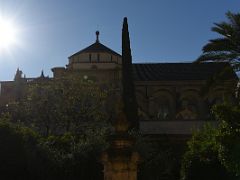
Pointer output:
49, 31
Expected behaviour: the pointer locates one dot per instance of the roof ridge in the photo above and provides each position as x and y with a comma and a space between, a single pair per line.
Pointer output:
179, 71
95, 47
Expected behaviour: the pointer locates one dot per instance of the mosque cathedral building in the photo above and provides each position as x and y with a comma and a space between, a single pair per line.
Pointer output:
168, 94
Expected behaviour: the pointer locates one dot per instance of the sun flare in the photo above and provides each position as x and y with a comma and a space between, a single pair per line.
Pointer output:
8, 34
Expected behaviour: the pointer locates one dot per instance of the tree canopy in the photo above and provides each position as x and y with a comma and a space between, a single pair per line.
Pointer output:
59, 106
227, 46
215, 150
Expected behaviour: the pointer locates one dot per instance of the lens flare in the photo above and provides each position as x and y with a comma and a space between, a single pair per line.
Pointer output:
8, 34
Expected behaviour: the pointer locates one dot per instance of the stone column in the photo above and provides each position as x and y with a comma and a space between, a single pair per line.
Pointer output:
120, 160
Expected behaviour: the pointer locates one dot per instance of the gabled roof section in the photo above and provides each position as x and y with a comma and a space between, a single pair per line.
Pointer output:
96, 47
182, 71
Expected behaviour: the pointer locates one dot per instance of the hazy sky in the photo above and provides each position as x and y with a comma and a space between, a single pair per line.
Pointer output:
160, 30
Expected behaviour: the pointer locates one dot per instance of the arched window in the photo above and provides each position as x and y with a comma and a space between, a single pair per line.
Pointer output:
188, 109
163, 112
159, 108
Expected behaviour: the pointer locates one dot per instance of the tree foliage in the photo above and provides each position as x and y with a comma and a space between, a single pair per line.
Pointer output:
77, 156
20, 154
71, 124
228, 136
213, 153
160, 160
201, 159
59, 106
27, 155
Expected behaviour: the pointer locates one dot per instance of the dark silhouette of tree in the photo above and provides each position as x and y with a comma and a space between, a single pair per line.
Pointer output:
59, 106
227, 47
129, 98
228, 136
21, 155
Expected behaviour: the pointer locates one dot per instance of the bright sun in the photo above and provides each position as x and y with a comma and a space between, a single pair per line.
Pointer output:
8, 34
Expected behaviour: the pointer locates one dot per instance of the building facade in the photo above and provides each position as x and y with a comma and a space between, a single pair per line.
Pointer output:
169, 95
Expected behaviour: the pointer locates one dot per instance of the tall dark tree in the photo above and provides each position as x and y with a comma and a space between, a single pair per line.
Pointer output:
129, 98
227, 47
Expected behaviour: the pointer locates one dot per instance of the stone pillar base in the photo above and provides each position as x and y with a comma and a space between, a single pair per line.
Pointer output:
120, 166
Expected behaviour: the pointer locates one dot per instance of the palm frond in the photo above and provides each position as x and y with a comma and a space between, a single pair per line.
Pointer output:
218, 56
221, 44
223, 29
226, 48
234, 19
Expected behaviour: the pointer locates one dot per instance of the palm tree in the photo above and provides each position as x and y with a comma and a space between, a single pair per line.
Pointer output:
227, 47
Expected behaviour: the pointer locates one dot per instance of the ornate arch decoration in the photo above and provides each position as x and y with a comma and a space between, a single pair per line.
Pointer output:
188, 105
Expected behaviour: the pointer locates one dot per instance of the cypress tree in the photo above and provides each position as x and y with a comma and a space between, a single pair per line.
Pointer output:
128, 94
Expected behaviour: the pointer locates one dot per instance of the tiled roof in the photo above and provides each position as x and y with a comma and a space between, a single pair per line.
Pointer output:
181, 71
96, 47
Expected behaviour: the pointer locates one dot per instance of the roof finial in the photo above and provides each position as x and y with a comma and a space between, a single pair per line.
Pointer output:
42, 74
97, 36
18, 74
